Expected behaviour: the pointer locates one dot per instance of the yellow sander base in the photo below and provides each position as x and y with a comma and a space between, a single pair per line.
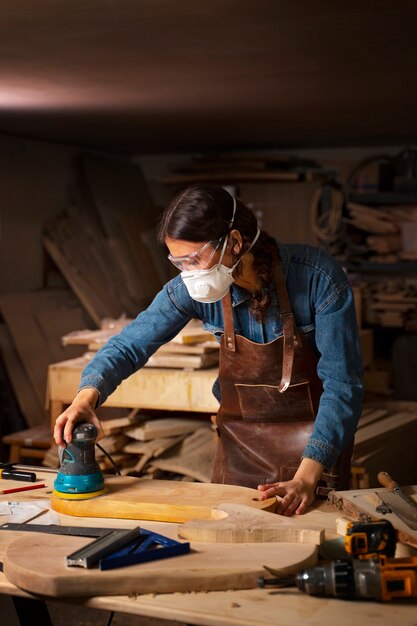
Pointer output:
79, 496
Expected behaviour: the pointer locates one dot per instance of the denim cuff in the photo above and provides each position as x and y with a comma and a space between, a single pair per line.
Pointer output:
94, 382
323, 453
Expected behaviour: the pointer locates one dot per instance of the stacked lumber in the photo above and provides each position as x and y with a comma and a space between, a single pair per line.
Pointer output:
192, 348
386, 440
167, 448
172, 447
106, 239
384, 231
392, 303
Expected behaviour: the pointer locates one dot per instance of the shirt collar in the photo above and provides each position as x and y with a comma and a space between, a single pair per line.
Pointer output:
239, 294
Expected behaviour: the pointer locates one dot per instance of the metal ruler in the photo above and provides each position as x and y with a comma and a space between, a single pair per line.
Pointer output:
56, 529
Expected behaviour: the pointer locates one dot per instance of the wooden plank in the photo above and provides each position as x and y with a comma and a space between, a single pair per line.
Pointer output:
193, 457
39, 566
161, 500
37, 340
236, 523
150, 449
372, 416
32, 409
383, 427
90, 299
163, 427
112, 444
115, 425
218, 177
364, 501
186, 361
149, 388
117, 188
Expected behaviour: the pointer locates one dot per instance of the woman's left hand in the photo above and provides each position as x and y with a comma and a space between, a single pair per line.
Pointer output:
296, 494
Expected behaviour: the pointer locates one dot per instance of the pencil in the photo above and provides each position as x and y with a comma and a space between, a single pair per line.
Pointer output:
26, 488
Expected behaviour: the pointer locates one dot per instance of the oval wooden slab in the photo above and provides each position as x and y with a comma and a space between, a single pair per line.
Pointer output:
36, 563
160, 500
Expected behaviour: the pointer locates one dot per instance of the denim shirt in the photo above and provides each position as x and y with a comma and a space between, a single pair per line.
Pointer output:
323, 306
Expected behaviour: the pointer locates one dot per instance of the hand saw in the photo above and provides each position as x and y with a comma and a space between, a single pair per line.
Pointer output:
399, 502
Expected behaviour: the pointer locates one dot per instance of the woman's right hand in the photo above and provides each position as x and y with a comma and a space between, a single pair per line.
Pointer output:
81, 409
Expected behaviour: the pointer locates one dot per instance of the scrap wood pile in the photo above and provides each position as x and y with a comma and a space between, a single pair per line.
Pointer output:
104, 242
382, 234
192, 348
391, 303
167, 448
386, 439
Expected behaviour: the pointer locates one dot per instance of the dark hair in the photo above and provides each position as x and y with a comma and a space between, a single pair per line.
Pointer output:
203, 212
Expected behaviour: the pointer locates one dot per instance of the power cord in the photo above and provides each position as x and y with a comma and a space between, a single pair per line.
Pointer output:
327, 212
116, 469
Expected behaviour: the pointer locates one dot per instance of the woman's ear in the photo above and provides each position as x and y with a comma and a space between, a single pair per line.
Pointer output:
236, 242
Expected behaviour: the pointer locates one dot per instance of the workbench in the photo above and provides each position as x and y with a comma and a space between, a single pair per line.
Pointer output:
149, 388
255, 607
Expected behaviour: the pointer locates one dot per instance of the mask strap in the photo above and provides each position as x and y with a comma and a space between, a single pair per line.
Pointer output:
223, 250
234, 211
254, 240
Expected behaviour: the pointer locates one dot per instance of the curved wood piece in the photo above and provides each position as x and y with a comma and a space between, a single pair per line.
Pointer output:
160, 500
237, 523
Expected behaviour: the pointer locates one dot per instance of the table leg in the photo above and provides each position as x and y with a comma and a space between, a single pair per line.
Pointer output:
30, 611
56, 407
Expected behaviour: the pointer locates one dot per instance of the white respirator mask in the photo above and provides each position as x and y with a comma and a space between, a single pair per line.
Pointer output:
212, 285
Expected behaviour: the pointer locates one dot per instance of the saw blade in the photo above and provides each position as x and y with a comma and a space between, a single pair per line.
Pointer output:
405, 512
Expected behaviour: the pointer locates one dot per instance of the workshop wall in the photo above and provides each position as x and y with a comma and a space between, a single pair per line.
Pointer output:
36, 182
34, 185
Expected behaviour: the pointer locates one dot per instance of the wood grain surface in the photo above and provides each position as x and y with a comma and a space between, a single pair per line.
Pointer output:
237, 523
365, 501
36, 563
160, 500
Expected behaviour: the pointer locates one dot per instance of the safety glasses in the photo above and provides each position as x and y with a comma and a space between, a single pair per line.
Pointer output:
197, 260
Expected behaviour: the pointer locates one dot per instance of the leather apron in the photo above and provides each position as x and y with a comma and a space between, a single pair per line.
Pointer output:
270, 395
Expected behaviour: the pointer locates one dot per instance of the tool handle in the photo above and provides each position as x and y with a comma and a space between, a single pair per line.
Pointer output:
388, 482
18, 475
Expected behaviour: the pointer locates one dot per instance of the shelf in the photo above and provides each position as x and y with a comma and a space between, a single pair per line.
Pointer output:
384, 197
406, 267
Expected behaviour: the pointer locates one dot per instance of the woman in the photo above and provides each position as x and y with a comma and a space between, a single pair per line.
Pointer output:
290, 375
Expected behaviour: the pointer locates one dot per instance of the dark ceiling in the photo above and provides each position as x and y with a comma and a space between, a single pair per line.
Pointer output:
148, 76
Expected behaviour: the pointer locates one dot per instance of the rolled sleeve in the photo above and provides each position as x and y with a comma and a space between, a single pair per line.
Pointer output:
341, 372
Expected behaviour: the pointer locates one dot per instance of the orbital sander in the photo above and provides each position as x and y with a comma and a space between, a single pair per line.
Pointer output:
79, 476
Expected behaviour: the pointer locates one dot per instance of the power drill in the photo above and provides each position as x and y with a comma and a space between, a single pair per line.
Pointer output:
377, 578
371, 571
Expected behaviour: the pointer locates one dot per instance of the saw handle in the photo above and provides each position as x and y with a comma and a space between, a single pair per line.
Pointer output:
387, 482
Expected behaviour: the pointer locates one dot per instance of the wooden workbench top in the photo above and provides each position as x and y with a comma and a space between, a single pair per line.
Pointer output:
254, 607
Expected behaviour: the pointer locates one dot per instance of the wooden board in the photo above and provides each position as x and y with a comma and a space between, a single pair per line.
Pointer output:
36, 321
36, 563
161, 500
365, 501
237, 523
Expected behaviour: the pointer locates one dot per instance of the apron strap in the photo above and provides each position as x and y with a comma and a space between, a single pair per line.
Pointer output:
288, 327
229, 327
